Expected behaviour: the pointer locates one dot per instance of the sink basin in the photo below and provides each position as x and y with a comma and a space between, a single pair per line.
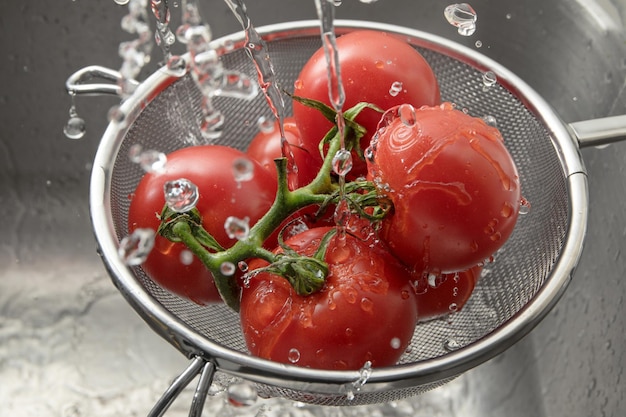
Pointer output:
71, 346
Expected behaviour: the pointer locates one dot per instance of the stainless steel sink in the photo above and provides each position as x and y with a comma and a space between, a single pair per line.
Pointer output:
70, 345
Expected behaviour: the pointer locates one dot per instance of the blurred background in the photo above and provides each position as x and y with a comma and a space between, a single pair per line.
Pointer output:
70, 345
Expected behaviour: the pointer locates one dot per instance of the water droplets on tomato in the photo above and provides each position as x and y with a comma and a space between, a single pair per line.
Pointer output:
181, 195
395, 89
294, 355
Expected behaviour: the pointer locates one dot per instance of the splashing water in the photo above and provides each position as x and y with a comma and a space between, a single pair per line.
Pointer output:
237, 228
135, 53
407, 115
463, 17
149, 160
135, 248
181, 195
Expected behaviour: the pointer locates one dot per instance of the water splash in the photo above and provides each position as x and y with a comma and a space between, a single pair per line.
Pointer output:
135, 53
150, 160
181, 195
135, 248
463, 17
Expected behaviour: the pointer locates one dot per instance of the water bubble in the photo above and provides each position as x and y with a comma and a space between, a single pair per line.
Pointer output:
395, 343
243, 169
241, 394
227, 268
181, 195
489, 79
407, 115
75, 128
186, 257
293, 355
524, 206
463, 17
135, 248
451, 344
237, 228
266, 125
342, 162
395, 89
149, 160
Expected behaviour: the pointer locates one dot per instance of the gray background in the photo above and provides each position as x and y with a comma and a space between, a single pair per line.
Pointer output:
69, 344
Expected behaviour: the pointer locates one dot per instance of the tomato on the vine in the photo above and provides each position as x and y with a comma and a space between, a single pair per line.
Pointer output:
454, 187
376, 67
448, 294
221, 195
365, 311
266, 146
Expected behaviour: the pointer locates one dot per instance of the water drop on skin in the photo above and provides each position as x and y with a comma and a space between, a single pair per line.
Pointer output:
135, 248
463, 17
180, 195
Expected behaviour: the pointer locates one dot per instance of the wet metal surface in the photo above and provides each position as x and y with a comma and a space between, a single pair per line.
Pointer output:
69, 344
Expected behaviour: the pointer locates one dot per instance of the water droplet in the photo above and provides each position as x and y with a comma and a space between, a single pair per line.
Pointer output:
463, 17
453, 307
508, 16
293, 355
407, 115
237, 228
524, 206
181, 195
186, 257
243, 266
149, 160
243, 169
490, 120
478, 44
368, 1
367, 304
75, 128
116, 115
395, 343
266, 125
451, 345
342, 162
176, 66
364, 375
121, 2
241, 394
489, 79
395, 89
227, 268
135, 248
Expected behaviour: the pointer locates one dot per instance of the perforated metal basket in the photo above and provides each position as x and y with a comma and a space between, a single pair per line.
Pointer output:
513, 294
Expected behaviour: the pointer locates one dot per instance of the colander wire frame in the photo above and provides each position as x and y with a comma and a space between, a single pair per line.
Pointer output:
513, 294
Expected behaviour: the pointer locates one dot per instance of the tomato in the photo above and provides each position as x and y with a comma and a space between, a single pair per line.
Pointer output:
266, 146
449, 293
366, 310
454, 187
210, 168
376, 67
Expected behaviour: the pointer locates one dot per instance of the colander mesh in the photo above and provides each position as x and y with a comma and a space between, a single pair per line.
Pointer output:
170, 121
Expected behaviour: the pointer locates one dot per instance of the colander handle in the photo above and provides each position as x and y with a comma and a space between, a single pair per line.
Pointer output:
599, 131
198, 365
81, 83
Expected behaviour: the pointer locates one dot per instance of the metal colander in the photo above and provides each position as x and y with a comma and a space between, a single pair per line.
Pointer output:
514, 293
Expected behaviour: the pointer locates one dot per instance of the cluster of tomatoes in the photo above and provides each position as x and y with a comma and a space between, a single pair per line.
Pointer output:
447, 187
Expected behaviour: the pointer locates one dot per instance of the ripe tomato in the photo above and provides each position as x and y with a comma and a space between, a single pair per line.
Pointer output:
210, 168
454, 187
376, 67
448, 295
366, 310
266, 146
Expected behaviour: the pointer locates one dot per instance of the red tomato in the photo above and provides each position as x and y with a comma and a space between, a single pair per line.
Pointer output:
266, 146
210, 168
376, 67
454, 187
366, 310
448, 295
